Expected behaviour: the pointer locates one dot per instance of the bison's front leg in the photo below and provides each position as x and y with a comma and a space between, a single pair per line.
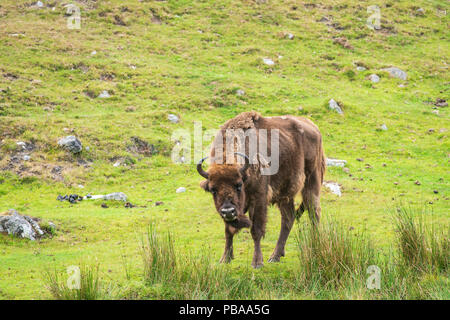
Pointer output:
258, 216
228, 253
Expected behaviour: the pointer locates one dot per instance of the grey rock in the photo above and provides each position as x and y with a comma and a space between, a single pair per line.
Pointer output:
39, 4
71, 143
360, 68
396, 73
20, 226
26, 157
374, 78
335, 162
173, 118
240, 92
333, 105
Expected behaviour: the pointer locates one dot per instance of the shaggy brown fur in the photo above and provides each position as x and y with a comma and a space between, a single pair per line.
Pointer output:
301, 170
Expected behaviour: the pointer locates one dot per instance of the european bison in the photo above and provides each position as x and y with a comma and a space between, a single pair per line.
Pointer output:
239, 186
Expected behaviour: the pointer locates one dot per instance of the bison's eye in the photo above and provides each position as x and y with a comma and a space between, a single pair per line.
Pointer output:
214, 191
238, 187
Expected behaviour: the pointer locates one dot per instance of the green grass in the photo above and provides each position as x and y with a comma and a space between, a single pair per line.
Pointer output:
333, 263
88, 287
192, 65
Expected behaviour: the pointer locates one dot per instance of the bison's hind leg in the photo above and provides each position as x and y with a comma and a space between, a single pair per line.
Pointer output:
311, 197
287, 210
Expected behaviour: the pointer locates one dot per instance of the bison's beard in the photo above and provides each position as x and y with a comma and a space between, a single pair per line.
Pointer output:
241, 222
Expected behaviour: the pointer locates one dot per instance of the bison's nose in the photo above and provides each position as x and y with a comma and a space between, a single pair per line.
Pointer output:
228, 213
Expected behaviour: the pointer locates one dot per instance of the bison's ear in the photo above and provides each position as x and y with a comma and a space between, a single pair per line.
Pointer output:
204, 185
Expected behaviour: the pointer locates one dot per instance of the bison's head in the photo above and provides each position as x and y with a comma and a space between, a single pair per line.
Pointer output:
226, 182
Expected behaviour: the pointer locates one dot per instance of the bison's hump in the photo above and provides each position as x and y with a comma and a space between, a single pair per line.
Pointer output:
244, 120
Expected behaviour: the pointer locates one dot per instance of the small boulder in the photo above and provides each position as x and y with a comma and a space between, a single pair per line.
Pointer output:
333, 105
420, 12
173, 118
240, 92
104, 94
18, 225
71, 143
374, 78
119, 196
333, 187
268, 61
396, 73
383, 127
335, 162
181, 190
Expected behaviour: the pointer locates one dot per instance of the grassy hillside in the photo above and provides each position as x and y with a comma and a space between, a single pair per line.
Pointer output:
190, 58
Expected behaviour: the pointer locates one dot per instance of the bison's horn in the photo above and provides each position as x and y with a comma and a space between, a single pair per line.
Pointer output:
247, 162
200, 170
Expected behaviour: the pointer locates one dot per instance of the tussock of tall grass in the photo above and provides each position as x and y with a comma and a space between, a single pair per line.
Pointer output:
423, 247
184, 276
90, 288
331, 256
159, 257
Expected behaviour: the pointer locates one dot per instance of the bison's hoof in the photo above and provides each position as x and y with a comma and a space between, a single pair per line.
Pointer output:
257, 265
274, 259
225, 260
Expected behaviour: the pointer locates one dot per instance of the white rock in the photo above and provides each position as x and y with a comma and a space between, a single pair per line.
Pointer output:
93, 53
333, 105
360, 68
39, 4
80, 186
104, 94
240, 92
384, 127
335, 162
181, 189
436, 112
268, 61
334, 188
26, 157
116, 164
173, 118
374, 78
